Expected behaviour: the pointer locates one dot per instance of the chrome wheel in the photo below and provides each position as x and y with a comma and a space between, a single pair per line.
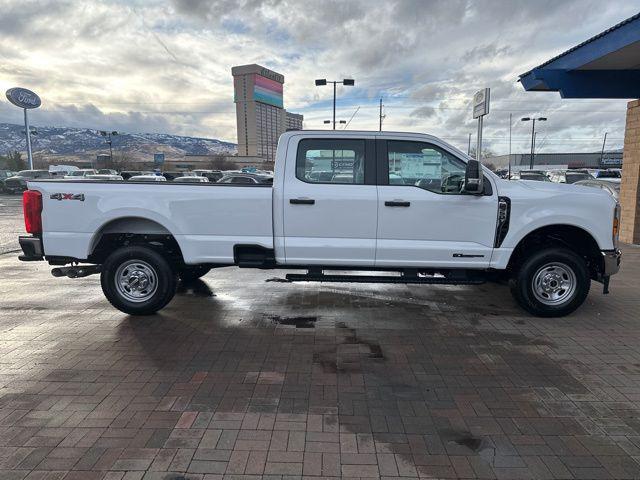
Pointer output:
554, 283
136, 281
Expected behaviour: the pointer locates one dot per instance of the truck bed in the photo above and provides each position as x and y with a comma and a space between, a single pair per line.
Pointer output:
207, 220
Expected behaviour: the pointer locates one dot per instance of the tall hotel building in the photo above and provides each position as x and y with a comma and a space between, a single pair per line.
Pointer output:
260, 113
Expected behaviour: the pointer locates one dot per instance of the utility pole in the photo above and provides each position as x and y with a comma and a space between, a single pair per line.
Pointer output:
469, 146
603, 144
380, 128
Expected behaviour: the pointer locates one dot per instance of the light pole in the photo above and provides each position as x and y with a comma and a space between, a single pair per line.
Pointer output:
342, 122
533, 133
108, 140
346, 82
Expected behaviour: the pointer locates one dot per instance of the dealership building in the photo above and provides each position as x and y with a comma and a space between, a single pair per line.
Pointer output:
260, 114
549, 161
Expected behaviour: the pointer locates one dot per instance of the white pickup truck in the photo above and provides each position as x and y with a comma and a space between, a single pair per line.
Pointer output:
406, 207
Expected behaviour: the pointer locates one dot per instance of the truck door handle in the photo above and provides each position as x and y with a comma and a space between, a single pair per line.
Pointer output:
302, 201
396, 203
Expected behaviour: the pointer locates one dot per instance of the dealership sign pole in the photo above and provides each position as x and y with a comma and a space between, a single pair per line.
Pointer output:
25, 99
480, 109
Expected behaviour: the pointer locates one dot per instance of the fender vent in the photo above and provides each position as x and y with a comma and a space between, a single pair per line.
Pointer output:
502, 223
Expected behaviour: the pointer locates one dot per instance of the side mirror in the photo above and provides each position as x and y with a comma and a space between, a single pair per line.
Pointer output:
473, 178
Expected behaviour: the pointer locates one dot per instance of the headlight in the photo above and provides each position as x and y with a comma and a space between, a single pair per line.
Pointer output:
615, 232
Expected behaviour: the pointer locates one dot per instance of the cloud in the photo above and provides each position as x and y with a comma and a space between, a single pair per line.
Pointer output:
166, 66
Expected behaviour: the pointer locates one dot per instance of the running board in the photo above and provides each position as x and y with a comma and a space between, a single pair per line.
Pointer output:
314, 277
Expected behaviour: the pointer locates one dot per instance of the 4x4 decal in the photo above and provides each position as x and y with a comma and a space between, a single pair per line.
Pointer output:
67, 196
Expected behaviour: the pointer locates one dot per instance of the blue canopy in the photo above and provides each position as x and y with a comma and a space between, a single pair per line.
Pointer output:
605, 66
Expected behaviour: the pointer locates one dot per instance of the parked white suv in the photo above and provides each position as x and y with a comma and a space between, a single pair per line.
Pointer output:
400, 202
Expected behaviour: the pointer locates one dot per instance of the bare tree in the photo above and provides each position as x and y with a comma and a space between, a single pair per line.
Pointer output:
220, 162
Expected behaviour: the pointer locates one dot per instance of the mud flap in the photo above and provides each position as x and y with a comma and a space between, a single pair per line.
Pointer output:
605, 285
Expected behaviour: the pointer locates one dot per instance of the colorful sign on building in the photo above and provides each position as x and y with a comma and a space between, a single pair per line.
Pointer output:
267, 91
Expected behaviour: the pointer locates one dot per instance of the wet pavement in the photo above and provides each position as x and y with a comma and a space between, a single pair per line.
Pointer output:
246, 376
11, 222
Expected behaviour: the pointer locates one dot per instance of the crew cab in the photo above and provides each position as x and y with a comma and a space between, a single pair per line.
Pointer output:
404, 207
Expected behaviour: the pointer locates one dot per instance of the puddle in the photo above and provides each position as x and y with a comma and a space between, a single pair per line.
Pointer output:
298, 322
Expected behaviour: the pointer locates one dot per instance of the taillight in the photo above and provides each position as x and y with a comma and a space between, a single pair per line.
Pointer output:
616, 226
32, 207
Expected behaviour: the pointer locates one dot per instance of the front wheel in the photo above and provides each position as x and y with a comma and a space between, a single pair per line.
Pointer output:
138, 280
552, 282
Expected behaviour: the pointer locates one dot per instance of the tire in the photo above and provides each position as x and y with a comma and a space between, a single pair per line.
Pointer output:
147, 281
188, 274
552, 282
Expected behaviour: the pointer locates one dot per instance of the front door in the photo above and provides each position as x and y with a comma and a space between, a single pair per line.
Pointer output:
425, 219
330, 203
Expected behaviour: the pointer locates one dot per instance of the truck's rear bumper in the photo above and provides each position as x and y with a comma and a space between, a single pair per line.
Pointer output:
611, 261
31, 249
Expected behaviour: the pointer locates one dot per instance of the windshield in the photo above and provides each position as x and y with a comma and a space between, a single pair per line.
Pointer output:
76, 173
576, 177
534, 176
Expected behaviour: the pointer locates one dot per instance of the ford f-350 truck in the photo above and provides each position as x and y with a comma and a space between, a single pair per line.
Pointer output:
406, 207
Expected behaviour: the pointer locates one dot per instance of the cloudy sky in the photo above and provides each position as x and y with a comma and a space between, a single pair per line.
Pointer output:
165, 66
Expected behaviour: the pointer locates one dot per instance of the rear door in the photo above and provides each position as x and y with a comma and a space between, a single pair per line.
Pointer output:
424, 217
329, 201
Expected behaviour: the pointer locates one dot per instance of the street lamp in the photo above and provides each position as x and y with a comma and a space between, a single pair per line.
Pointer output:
533, 134
108, 140
347, 82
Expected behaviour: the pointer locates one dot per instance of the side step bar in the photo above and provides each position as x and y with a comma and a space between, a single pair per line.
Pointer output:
432, 280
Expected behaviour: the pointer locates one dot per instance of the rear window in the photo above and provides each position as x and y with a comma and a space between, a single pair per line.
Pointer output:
331, 161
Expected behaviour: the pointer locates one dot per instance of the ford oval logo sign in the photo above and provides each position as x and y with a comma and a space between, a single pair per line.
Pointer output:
23, 98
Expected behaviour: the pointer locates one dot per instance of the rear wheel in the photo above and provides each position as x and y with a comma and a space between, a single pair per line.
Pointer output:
138, 280
552, 282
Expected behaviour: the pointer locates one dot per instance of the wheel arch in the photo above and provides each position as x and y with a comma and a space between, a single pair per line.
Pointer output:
132, 230
570, 236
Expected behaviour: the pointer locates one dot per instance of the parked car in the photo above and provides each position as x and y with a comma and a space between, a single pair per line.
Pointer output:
191, 179
76, 174
548, 241
530, 175
147, 178
246, 178
130, 173
608, 175
18, 183
170, 175
104, 177
4, 174
569, 176
611, 188
208, 173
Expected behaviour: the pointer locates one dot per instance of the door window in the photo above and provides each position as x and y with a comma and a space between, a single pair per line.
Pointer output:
426, 166
331, 161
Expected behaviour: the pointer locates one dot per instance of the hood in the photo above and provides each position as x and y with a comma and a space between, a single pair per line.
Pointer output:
534, 189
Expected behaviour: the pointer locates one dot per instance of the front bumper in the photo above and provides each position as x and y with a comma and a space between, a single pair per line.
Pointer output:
611, 262
31, 248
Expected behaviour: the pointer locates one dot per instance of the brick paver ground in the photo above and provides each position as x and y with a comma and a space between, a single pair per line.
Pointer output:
246, 377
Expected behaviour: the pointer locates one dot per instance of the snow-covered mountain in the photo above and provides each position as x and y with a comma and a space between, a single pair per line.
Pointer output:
83, 141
